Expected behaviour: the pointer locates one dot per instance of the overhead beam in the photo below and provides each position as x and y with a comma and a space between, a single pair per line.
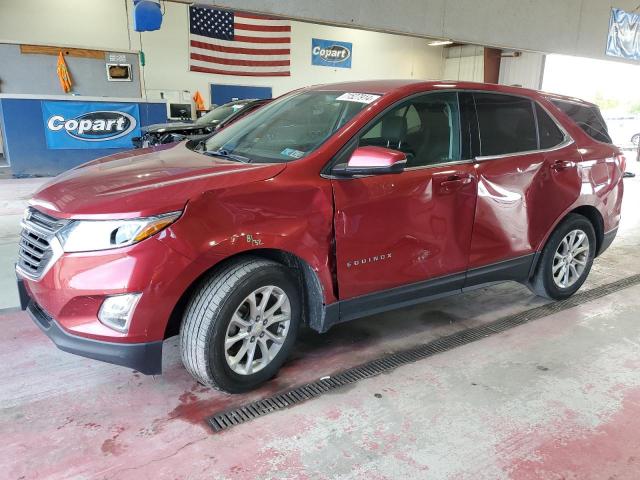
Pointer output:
572, 27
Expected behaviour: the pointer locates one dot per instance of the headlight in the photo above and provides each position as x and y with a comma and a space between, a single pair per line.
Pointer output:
91, 235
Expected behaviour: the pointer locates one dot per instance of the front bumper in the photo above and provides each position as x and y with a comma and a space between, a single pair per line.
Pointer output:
144, 357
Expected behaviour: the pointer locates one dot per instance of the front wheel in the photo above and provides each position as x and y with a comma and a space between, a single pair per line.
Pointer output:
636, 139
240, 325
566, 259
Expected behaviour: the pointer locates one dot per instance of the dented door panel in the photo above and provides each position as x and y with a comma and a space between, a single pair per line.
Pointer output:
520, 198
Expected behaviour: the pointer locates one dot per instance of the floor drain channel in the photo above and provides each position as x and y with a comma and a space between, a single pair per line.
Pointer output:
230, 418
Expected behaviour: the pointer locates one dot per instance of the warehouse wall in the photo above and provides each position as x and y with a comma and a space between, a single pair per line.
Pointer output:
525, 70
465, 62
373, 55
36, 74
101, 24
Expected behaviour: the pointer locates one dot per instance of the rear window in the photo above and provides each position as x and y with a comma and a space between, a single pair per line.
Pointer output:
507, 124
550, 135
587, 118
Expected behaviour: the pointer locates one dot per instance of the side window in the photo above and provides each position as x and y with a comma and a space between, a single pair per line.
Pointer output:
425, 128
587, 118
550, 134
507, 124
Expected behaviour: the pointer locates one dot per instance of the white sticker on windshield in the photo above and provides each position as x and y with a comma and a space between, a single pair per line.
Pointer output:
291, 152
358, 97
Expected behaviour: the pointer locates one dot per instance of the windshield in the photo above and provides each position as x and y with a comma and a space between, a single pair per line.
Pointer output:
289, 128
220, 113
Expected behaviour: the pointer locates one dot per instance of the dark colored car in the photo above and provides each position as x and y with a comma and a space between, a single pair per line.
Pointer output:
216, 119
331, 203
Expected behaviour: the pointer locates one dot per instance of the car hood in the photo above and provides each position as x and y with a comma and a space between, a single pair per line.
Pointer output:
176, 127
143, 182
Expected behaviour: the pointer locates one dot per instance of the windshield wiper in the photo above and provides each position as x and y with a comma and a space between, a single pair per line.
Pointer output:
225, 154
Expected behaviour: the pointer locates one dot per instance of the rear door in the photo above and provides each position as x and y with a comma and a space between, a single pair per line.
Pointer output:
398, 229
527, 176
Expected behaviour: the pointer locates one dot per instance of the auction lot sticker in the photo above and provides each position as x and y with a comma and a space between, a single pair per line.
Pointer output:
358, 97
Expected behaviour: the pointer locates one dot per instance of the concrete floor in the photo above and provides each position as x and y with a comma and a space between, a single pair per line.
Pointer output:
14, 194
558, 398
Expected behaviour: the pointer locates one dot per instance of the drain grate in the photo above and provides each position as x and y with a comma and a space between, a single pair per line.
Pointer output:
230, 418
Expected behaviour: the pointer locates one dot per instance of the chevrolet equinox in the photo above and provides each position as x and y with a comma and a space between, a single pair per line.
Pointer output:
331, 203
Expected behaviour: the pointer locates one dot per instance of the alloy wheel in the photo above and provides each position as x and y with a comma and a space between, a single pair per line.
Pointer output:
571, 258
257, 330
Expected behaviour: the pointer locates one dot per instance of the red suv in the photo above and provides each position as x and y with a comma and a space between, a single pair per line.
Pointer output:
331, 203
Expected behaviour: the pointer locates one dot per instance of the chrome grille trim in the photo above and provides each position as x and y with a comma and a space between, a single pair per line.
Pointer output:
39, 247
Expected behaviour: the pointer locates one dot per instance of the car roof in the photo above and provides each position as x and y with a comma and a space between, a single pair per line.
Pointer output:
382, 87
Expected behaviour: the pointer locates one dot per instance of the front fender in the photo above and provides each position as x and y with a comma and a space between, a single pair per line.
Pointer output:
272, 214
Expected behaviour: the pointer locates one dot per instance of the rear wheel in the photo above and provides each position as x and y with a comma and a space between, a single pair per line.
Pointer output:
241, 325
566, 259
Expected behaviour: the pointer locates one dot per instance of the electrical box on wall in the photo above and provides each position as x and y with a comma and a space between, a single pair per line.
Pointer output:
118, 72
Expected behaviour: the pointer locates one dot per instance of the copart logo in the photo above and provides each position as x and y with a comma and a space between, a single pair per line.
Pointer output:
94, 126
334, 53
363, 261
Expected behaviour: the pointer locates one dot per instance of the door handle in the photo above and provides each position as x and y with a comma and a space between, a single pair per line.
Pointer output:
454, 182
560, 165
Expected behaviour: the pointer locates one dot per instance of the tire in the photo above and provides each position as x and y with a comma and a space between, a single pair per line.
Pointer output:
636, 139
543, 282
207, 325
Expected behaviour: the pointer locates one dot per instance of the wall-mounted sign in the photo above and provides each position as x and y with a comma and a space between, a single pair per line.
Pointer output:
624, 35
83, 125
116, 57
331, 53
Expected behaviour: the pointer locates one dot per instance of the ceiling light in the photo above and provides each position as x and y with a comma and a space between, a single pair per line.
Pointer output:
439, 43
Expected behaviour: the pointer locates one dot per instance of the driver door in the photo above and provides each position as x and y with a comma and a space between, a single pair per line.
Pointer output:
394, 230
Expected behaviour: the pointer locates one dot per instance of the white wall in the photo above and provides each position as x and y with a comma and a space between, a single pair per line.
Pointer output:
99, 24
75, 23
524, 71
464, 63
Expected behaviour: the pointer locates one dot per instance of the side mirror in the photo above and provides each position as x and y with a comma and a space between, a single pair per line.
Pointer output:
373, 161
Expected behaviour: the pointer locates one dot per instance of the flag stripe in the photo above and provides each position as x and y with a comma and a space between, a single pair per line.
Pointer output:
241, 51
255, 16
253, 21
262, 28
236, 44
196, 68
241, 68
242, 38
254, 33
237, 61
241, 56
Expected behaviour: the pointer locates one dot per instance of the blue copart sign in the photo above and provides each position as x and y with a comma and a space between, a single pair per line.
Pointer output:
84, 125
331, 53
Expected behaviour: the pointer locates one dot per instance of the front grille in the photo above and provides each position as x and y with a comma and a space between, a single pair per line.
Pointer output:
36, 252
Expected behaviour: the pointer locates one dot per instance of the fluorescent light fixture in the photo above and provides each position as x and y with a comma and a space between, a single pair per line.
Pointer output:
439, 43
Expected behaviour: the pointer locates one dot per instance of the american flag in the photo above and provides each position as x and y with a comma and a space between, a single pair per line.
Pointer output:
238, 43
